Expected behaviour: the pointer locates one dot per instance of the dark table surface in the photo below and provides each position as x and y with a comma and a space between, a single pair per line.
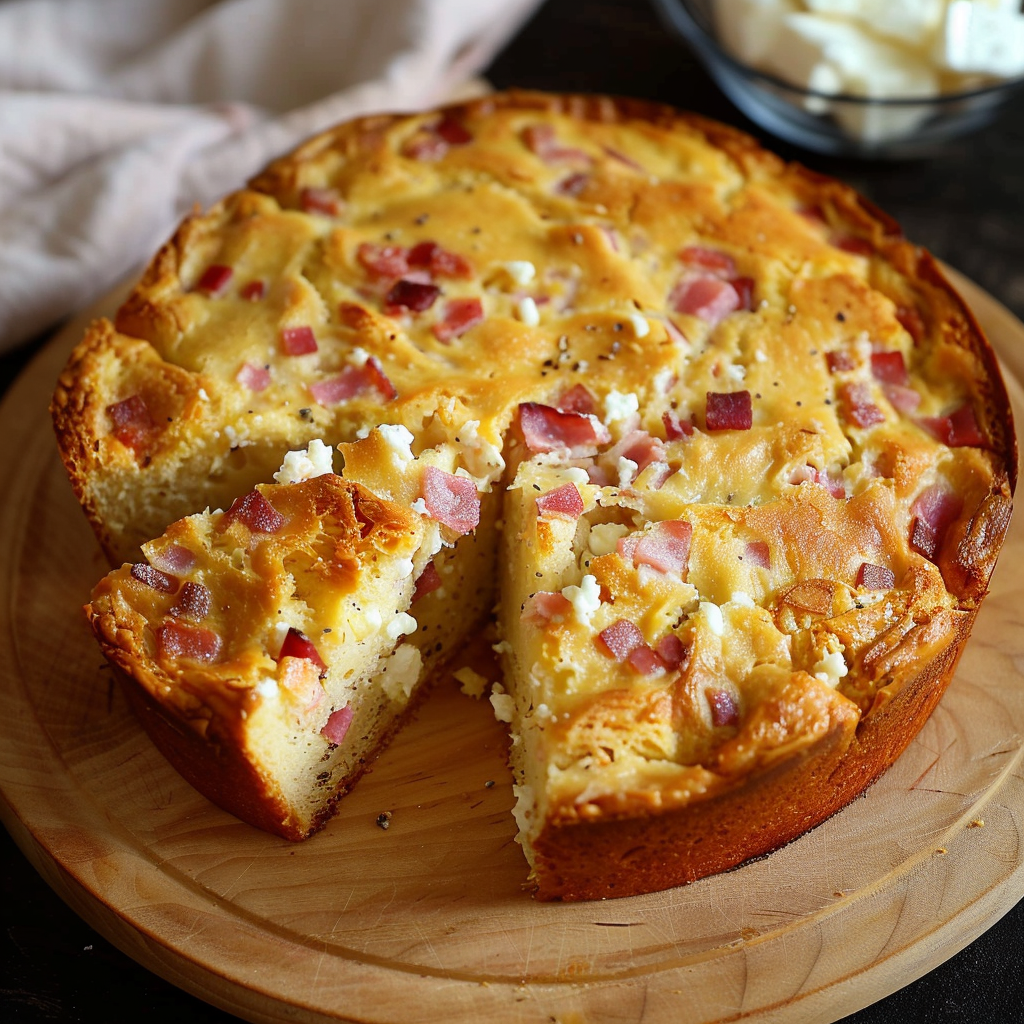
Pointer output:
965, 204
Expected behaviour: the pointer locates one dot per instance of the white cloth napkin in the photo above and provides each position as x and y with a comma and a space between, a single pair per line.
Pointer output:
117, 116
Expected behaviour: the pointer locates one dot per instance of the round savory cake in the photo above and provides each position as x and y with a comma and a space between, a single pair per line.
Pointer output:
722, 456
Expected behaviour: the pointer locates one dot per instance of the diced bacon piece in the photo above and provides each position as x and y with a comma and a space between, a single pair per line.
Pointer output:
193, 602
812, 475
839, 361
665, 547
174, 558
728, 410
572, 185
353, 381
452, 131
542, 140
723, 708
546, 429
154, 578
675, 428
640, 447
451, 500
255, 378
814, 214
425, 146
427, 582
853, 244
383, 260
253, 291
814, 596
758, 553
577, 399
644, 660
857, 406
132, 421
620, 639
957, 430
909, 318
439, 262
621, 157
543, 607
215, 279
934, 510
875, 577
338, 725
671, 650
721, 263
564, 502
709, 298
320, 200
255, 512
378, 379
298, 645
196, 643
626, 547
903, 399
889, 367
298, 341
460, 315
744, 288
415, 296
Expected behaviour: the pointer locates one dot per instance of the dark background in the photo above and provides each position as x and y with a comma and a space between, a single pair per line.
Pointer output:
965, 204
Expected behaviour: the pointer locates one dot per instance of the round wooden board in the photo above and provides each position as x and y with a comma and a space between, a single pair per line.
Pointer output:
428, 921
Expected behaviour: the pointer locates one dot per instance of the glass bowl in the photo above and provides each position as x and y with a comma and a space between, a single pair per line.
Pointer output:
835, 124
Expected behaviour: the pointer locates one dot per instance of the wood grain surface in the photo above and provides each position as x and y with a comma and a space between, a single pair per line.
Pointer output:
428, 920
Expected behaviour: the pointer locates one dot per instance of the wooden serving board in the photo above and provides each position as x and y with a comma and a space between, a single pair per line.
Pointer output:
428, 920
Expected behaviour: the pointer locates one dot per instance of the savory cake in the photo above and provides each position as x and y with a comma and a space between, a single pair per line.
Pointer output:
744, 459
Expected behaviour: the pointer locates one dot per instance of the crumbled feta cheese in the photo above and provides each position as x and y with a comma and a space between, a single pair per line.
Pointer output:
585, 599
542, 712
831, 668
420, 506
736, 372
401, 624
627, 469
316, 460
742, 599
399, 440
528, 312
203, 395
619, 406
713, 617
641, 328
521, 271
401, 671
268, 689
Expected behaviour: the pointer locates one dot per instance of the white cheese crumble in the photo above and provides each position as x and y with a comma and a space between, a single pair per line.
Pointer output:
401, 624
736, 372
627, 471
741, 599
641, 328
420, 506
619, 406
585, 599
399, 440
401, 671
268, 689
316, 460
528, 312
831, 668
713, 617
521, 271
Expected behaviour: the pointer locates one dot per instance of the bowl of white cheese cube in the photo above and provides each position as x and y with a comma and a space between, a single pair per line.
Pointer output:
870, 78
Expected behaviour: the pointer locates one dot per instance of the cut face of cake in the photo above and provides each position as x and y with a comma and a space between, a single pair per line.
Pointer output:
728, 456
